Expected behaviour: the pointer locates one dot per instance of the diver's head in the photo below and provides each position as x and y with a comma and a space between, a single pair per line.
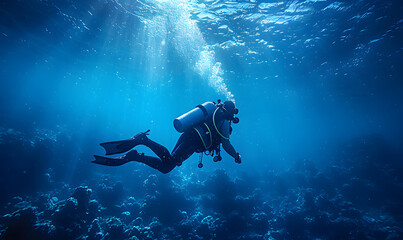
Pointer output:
230, 108
231, 111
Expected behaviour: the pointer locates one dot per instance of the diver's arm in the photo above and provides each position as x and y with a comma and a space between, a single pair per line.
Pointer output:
225, 130
229, 148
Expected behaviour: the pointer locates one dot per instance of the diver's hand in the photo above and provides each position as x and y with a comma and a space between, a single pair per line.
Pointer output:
238, 158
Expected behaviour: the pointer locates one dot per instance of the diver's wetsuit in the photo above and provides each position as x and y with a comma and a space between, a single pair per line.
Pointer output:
188, 143
204, 137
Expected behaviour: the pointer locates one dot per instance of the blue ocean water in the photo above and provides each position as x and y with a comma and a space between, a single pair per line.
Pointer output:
318, 85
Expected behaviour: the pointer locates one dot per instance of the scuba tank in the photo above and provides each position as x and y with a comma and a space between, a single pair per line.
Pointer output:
194, 117
200, 118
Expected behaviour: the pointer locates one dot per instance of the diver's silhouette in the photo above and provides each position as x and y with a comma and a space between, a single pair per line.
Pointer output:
204, 129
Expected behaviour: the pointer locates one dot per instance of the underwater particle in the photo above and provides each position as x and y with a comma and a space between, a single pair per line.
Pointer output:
375, 40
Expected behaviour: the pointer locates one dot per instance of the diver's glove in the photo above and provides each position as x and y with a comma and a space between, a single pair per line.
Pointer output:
238, 158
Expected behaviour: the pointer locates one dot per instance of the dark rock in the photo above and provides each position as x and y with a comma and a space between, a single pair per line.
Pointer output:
115, 228
20, 224
82, 195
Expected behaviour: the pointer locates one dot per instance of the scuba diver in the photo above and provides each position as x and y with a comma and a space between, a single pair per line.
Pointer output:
203, 130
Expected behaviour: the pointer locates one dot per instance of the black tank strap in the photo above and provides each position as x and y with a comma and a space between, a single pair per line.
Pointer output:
205, 113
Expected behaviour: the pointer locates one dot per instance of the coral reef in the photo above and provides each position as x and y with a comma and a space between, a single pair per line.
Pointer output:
357, 196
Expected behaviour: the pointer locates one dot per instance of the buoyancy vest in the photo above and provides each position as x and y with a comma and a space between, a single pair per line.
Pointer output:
213, 131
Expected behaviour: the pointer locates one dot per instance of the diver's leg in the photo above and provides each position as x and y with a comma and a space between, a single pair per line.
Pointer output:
122, 146
185, 147
187, 144
141, 139
180, 142
161, 151
185, 141
182, 151
156, 163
